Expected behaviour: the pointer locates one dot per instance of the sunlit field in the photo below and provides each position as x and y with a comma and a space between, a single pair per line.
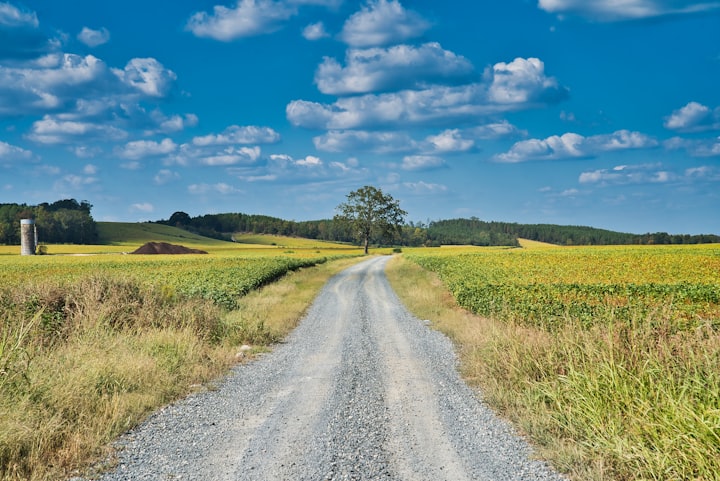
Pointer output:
608, 356
93, 338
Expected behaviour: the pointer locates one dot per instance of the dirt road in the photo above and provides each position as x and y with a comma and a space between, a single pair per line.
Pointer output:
361, 390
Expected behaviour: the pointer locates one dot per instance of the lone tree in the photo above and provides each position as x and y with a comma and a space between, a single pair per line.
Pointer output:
370, 214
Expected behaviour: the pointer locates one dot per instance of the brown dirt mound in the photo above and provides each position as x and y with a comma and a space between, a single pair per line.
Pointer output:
165, 248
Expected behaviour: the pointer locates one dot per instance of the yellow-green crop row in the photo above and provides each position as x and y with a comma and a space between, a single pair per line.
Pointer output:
543, 287
222, 279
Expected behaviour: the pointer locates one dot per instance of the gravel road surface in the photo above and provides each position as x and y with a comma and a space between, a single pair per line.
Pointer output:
360, 390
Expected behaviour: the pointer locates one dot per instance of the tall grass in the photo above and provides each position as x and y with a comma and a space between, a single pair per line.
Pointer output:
633, 399
84, 361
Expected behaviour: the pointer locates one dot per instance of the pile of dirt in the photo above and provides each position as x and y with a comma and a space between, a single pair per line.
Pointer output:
165, 248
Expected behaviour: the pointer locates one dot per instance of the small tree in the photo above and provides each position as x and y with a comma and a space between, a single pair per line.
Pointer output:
371, 215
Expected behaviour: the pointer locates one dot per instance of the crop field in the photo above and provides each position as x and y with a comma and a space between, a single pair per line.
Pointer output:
543, 287
609, 357
92, 339
222, 279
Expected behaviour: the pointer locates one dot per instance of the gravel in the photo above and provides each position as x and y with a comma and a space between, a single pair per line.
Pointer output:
360, 390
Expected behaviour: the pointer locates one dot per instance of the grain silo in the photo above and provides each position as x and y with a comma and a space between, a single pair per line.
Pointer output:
28, 238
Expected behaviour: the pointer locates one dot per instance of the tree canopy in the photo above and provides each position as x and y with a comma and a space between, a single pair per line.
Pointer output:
371, 215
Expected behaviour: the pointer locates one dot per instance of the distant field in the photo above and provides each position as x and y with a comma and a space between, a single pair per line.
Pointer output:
290, 242
129, 234
123, 237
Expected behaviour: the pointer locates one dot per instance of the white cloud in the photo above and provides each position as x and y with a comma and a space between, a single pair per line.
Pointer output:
361, 140
695, 147
139, 149
165, 176
424, 188
694, 117
12, 152
132, 165
143, 207
315, 31
174, 123
74, 182
219, 188
382, 69
422, 162
51, 130
248, 18
309, 161
94, 38
11, 16
382, 22
148, 76
48, 83
571, 145
627, 174
500, 92
90, 169
450, 141
521, 81
613, 10
239, 135
232, 156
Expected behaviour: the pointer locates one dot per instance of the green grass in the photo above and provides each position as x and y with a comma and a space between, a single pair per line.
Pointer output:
136, 234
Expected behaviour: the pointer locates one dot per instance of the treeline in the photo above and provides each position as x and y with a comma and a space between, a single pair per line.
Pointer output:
465, 231
63, 222
471, 231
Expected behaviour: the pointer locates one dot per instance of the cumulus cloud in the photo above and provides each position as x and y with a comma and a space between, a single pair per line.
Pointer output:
52, 130
382, 22
235, 134
12, 152
219, 188
12, 16
695, 147
424, 188
309, 161
48, 83
452, 140
522, 81
165, 176
315, 31
248, 18
231, 156
361, 140
383, 69
84, 84
627, 174
148, 76
142, 207
613, 10
571, 145
693, 117
422, 162
94, 38
140, 149
522, 84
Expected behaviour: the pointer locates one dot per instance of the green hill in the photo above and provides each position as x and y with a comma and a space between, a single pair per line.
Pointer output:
133, 234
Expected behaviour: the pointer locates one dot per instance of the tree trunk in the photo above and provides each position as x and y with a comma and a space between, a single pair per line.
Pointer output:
367, 243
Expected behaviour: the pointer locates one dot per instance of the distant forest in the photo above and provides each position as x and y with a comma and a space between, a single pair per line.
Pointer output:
471, 231
63, 222
70, 222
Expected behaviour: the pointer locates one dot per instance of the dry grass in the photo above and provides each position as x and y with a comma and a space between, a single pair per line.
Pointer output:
82, 363
618, 401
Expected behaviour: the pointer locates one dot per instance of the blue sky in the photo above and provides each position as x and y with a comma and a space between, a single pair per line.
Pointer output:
584, 112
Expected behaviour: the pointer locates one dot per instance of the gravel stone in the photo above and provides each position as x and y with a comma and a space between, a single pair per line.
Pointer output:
361, 390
